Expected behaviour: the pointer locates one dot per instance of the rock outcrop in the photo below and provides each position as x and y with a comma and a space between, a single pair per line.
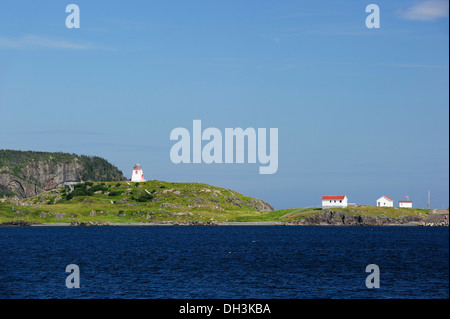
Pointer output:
27, 174
18, 186
261, 205
435, 220
78, 223
254, 203
338, 218
19, 223
40, 176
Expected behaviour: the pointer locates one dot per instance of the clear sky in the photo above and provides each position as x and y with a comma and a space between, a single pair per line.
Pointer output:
362, 112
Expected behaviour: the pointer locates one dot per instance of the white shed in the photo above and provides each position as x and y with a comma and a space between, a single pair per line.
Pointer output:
385, 201
330, 201
405, 203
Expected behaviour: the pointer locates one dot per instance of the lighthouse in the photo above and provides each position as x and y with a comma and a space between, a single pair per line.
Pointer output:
138, 174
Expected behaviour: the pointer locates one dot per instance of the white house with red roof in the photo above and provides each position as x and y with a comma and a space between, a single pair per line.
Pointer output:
405, 203
385, 201
330, 201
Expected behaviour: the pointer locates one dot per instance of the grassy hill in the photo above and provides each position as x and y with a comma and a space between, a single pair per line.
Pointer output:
151, 201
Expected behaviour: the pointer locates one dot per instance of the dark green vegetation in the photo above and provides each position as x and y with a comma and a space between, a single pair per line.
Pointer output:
5, 191
17, 160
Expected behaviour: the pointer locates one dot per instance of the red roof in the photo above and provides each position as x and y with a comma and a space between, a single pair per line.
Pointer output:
388, 198
405, 201
333, 197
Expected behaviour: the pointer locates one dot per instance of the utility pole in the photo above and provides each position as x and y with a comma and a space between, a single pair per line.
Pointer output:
428, 199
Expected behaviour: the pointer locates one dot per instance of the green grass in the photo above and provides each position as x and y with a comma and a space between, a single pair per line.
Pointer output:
132, 203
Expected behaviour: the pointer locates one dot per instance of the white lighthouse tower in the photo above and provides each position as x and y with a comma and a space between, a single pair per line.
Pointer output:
138, 174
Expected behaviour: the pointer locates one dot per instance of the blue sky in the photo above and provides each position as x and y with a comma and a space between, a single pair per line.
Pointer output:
362, 112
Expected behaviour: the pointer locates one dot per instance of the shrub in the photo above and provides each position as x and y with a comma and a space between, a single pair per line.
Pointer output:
82, 192
144, 198
98, 187
115, 193
79, 185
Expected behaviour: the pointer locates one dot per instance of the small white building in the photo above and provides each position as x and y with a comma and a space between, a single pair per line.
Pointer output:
138, 174
405, 203
331, 201
385, 201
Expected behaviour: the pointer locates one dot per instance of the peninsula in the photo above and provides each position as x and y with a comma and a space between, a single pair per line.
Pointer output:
39, 188
165, 203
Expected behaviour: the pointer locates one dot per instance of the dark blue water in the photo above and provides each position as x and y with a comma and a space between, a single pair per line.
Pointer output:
224, 262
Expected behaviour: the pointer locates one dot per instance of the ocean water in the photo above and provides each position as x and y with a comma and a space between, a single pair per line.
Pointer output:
224, 262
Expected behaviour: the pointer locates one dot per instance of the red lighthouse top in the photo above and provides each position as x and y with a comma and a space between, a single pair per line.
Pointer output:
137, 167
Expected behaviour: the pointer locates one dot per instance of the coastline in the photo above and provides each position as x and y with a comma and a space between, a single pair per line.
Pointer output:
266, 223
138, 224
436, 219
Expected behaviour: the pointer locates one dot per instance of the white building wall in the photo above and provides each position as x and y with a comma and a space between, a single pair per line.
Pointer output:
405, 205
335, 203
384, 202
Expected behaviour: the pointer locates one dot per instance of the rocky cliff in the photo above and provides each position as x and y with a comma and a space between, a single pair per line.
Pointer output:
338, 218
28, 174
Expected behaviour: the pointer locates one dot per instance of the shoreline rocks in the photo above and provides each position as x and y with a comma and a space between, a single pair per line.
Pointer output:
18, 223
326, 218
195, 223
338, 218
433, 224
78, 223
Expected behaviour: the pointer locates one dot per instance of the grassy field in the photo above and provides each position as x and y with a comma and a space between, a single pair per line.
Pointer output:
158, 201
124, 202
